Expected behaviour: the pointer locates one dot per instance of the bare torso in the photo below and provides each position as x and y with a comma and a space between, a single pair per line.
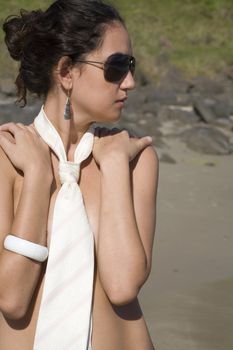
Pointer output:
114, 327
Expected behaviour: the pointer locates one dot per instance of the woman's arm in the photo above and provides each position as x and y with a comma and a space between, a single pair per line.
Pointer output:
127, 223
19, 275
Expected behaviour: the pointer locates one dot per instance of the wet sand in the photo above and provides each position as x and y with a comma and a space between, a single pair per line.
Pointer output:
188, 299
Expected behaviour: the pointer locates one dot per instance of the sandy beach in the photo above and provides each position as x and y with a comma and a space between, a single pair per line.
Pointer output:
188, 299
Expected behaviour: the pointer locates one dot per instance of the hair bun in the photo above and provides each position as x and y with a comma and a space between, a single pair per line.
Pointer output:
38, 40
18, 30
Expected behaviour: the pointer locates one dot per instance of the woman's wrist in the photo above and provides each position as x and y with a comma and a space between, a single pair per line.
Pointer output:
36, 174
37, 183
113, 161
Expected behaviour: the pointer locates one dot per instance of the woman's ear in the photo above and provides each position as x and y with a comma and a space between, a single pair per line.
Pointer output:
63, 72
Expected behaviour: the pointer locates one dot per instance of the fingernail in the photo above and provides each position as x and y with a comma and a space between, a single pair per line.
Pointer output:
149, 138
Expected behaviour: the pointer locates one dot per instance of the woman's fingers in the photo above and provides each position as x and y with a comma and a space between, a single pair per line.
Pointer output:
7, 143
144, 142
11, 127
109, 141
8, 136
20, 125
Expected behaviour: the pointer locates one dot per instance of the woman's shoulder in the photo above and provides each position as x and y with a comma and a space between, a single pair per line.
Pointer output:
145, 166
7, 169
149, 156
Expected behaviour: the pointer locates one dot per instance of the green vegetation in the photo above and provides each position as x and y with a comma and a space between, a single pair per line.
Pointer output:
194, 35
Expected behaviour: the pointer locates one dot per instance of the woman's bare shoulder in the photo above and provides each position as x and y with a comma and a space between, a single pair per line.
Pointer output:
7, 169
146, 161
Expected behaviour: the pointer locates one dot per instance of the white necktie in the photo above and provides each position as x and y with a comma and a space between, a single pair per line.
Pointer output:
65, 321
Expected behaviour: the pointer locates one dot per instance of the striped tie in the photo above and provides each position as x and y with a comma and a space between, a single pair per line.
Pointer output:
64, 321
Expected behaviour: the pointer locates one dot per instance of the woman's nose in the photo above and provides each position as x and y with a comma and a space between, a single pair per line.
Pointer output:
128, 82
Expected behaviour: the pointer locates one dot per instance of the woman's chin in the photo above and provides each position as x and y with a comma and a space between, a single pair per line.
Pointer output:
113, 118
116, 116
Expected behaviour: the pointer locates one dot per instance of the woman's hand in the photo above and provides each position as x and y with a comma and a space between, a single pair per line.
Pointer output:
25, 148
111, 142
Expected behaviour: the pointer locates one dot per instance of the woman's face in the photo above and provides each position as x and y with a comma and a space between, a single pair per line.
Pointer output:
93, 98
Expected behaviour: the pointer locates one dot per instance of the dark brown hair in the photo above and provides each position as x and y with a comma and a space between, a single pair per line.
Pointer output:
39, 39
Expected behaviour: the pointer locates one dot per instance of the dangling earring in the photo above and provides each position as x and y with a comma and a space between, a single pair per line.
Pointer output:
67, 113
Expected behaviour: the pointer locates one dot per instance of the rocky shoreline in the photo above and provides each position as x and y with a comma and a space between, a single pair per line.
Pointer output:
198, 112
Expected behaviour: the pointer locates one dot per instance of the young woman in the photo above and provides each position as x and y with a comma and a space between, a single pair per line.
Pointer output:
77, 55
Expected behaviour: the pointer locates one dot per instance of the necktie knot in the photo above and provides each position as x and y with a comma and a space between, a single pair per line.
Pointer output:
69, 172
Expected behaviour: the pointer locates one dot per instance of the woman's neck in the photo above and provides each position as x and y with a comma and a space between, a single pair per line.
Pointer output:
70, 131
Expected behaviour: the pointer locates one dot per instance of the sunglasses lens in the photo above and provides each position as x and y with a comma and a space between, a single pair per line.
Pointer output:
118, 66
132, 65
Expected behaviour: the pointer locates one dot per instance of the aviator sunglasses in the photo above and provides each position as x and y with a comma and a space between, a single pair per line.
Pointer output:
116, 67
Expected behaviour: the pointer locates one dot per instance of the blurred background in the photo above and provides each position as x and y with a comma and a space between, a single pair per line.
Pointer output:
184, 51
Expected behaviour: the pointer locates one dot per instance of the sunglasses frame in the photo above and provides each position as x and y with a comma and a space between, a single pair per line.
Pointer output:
108, 63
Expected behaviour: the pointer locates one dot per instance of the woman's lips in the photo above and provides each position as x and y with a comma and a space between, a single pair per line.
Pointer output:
120, 103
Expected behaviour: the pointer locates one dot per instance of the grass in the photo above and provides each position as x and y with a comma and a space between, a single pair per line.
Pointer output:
193, 35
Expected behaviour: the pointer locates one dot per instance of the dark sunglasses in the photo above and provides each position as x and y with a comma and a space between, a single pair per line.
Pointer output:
116, 67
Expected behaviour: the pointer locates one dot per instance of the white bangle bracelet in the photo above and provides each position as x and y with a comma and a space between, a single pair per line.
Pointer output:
26, 248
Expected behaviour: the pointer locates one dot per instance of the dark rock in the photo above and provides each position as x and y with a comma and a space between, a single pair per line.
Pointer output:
7, 87
150, 96
207, 140
163, 114
130, 116
136, 99
179, 114
13, 113
144, 125
204, 111
207, 86
184, 116
131, 127
141, 78
173, 81
151, 107
184, 99
158, 95
166, 158
222, 106
2, 98
230, 74
157, 141
165, 97
149, 116
210, 164
139, 131
152, 93
224, 123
